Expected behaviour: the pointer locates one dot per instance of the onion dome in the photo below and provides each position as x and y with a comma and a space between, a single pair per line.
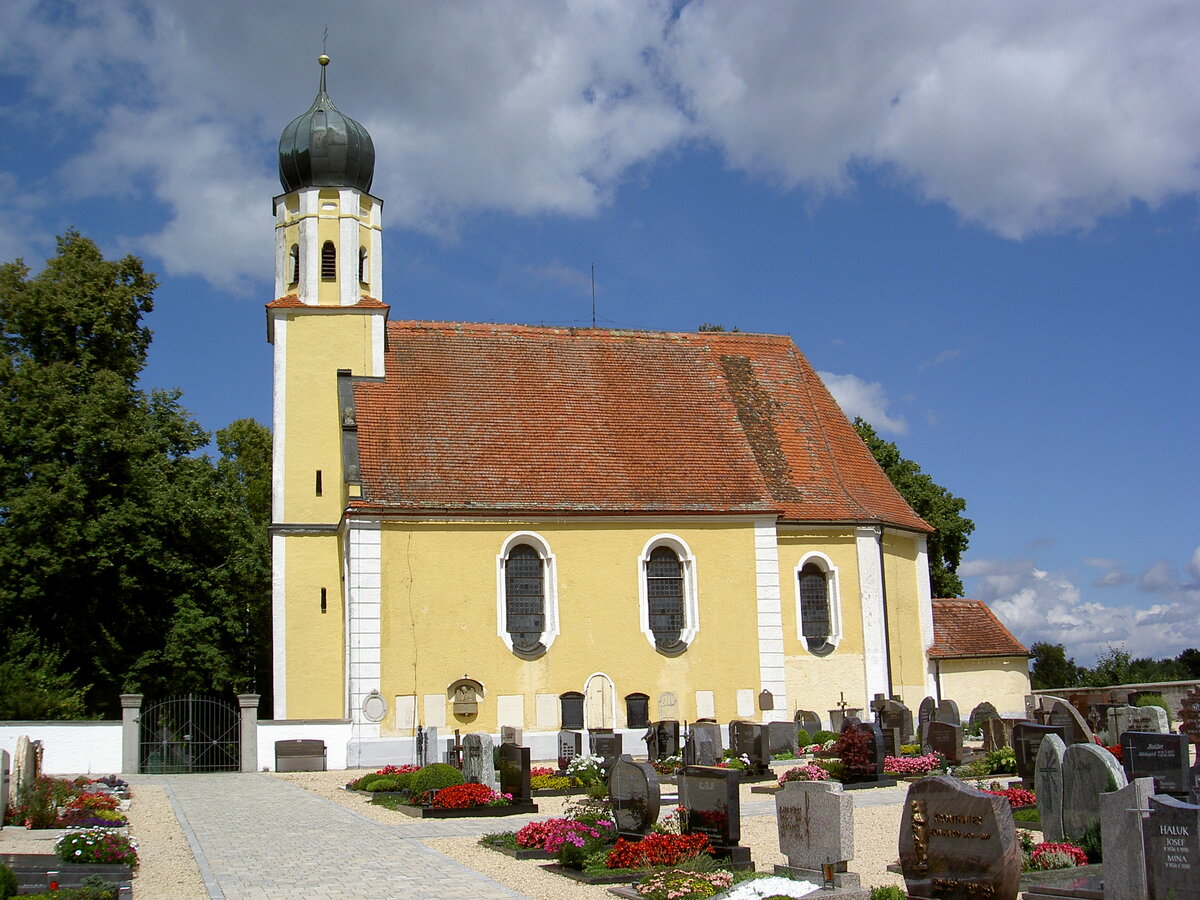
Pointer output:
325, 148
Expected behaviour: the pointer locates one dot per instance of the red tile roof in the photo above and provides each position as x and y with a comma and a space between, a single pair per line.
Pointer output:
499, 418
963, 629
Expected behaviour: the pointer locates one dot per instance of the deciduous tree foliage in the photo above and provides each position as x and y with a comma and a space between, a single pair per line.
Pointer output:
933, 503
127, 560
1052, 669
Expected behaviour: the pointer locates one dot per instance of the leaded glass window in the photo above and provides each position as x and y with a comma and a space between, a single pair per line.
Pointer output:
815, 617
664, 594
525, 597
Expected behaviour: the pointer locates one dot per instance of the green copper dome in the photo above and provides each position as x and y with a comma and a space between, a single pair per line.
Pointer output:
325, 148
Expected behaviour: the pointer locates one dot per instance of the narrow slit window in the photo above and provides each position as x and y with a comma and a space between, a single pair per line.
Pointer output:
295, 264
328, 262
323, 601
362, 264
318, 482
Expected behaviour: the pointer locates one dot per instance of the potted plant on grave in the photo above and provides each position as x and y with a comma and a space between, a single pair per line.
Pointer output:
806, 772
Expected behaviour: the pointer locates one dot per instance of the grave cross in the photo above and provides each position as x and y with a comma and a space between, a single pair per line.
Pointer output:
456, 751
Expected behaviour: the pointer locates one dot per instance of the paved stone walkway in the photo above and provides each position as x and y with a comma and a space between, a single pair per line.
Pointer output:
256, 837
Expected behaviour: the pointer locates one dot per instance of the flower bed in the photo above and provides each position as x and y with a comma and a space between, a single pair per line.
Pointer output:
912, 766
676, 883
104, 846
465, 796
657, 850
1018, 798
59, 803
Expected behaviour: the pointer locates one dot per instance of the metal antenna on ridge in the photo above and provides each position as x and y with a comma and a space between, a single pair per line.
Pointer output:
325, 41
593, 295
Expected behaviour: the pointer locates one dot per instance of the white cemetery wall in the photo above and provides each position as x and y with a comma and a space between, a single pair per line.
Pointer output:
335, 733
71, 748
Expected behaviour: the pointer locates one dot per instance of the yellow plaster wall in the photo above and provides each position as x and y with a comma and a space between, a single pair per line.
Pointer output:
1003, 681
904, 617
439, 618
315, 645
318, 344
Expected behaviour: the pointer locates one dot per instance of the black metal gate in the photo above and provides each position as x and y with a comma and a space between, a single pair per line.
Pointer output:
190, 734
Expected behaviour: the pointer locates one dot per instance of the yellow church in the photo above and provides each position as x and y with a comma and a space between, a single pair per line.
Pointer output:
478, 526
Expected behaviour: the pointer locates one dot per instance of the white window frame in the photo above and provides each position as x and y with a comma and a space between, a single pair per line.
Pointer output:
691, 603
550, 599
833, 592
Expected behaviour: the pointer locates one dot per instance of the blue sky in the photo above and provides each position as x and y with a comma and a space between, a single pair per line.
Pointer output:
978, 221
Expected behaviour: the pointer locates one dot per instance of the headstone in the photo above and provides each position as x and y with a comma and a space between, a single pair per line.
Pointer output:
712, 806
1120, 720
510, 734
704, 746
514, 772
570, 745
781, 738
1189, 715
957, 842
808, 720
947, 711
997, 733
1100, 722
1067, 717
1163, 757
662, 740
477, 765
633, 789
1026, 736
427, 739
1151, 719
924, 716
875, 755
896, 722
1121, 838
4, 784
1048, 786
749, 739
946, 739
1088, 772
1172, 846
816, 828
982, 713
608, 747
839, 717
24, 765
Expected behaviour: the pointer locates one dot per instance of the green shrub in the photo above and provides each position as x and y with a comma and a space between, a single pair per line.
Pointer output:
803, 738
1155, 700
1026, 815
434, 777
835, 768
974, 769
972, 729
8, 882
890, 892
94, 887
1002, 761
1090, 843
551, 782
822, 736
910, 749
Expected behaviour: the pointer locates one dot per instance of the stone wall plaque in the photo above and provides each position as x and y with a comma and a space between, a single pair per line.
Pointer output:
711, 803
514, 772
1026, 737
958, 843
1048, 786
634, 790
668, 705
1088, 771
1163, 757
570, 745
1121, 838
1172, 846
816, 823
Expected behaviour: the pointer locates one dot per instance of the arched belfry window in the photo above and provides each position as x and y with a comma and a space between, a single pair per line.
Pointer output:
526, 595
362, 264
328, 261
668, 594
817, 604
294, 264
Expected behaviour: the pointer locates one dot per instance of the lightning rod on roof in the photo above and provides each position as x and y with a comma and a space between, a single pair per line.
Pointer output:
593, 295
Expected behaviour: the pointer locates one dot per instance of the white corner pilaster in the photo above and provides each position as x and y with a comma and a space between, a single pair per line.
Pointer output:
925, 606
363, 546
870, 580
279, 625
771, 671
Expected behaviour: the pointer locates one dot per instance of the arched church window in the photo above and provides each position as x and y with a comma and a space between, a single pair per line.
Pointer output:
328, 261
362, 264
664, 592
818, 606
525, 597
294, 255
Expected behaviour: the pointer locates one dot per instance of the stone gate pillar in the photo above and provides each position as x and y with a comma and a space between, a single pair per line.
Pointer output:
131, 708
249, 707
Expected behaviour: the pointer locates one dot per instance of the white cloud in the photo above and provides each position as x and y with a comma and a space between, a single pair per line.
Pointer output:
1037, 605
944, 356
862, 398
1022, 117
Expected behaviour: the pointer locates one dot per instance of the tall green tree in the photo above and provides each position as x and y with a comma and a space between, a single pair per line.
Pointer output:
1052, 669
933, 503
118, 542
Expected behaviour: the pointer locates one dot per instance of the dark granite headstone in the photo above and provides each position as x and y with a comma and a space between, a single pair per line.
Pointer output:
982, 712
997, 733
1189, 715
946, 739
633, 788
947, 711
1026, 737
958, 843
1163, 757
711, 803
514, 772
1088, 771
1172, 842
749, 739
896, 721
704, 746
924, 716
1075, 729
808, 720
570, 745
781, 738
662, 740
608, 747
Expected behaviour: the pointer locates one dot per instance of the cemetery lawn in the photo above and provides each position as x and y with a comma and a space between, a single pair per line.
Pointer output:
876, 835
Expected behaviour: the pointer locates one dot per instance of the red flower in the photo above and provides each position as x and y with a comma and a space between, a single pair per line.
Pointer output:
464, 796
657, 850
